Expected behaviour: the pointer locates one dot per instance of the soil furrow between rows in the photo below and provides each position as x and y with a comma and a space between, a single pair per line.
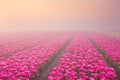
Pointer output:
109, 61
46, 68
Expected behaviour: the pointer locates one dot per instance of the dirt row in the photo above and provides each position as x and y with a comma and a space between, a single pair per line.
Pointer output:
108, 60
45, 69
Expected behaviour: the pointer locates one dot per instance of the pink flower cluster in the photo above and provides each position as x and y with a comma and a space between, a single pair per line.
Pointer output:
81, 61
110, 44
8, 49
24, 64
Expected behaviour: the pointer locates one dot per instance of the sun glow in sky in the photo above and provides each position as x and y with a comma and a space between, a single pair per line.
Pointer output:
34, 14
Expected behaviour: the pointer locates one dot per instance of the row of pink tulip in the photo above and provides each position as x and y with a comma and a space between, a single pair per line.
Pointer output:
9, 49
24, 64
81, 61
110, 44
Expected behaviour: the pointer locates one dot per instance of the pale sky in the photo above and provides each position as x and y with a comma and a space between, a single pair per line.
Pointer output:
25, 15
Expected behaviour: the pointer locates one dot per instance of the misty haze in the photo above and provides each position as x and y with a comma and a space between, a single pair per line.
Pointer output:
59, 40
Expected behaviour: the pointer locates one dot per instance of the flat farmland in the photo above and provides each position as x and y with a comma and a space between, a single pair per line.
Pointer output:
60, 56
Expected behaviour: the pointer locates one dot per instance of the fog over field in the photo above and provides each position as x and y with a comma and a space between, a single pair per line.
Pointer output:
59, 39
59, 15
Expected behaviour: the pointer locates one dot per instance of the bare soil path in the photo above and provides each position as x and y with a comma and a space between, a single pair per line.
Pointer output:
45, 69
109, 61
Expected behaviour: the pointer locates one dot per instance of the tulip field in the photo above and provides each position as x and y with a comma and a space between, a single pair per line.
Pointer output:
110, 44
61, 56
82, 62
